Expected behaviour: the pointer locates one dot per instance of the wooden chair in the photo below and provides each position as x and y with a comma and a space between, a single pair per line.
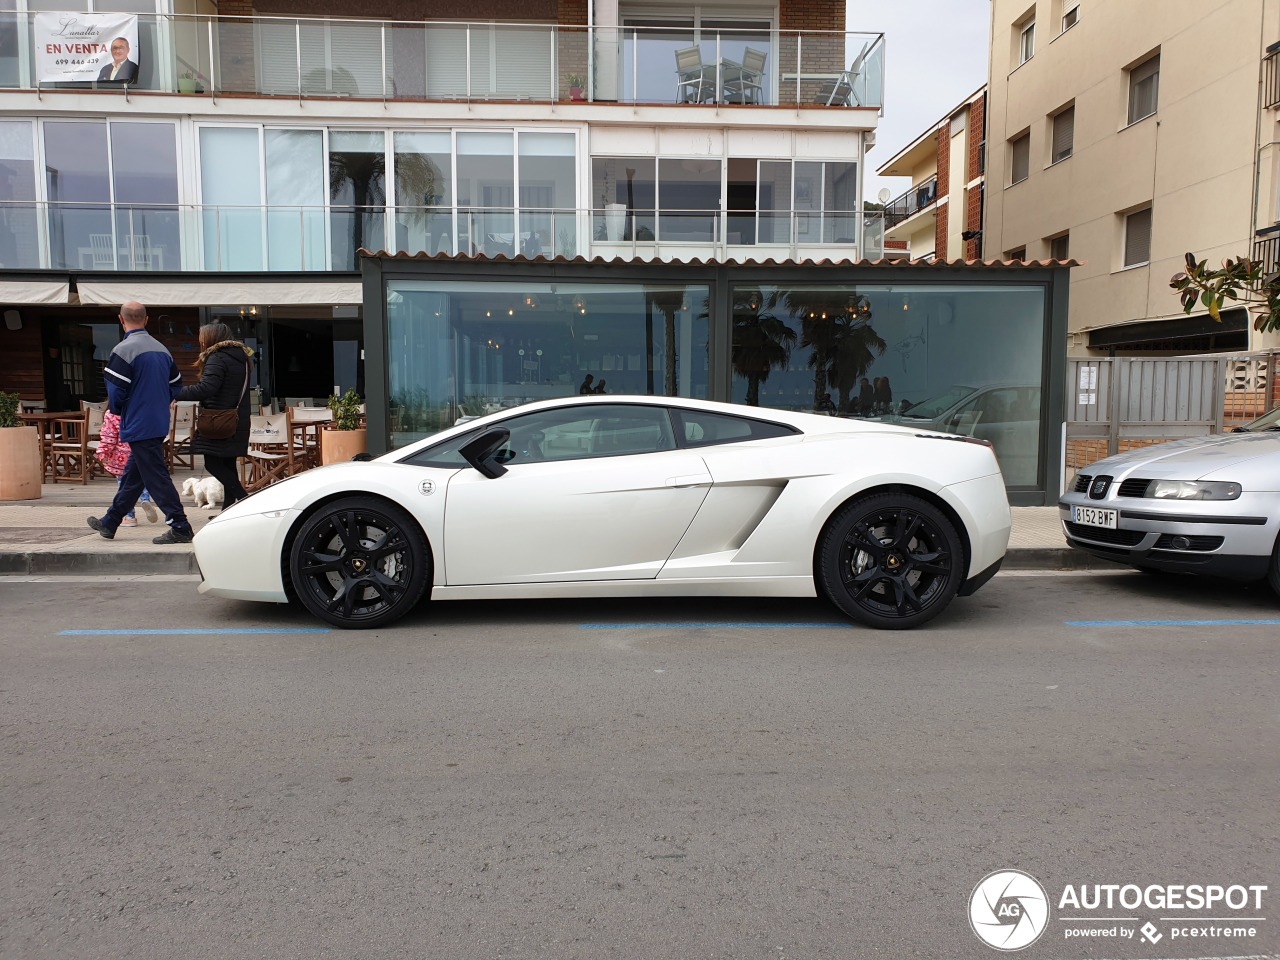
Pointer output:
69, 448
306, 424
96, 412
275, 451
182, 425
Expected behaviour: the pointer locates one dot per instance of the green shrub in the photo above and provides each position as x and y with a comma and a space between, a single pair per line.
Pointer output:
346, 410
9, 410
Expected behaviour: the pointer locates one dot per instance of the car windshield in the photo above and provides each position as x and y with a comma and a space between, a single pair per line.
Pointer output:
935, 406
1268, 421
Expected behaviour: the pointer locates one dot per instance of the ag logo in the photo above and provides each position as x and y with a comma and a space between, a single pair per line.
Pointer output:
427, 488
1009, 910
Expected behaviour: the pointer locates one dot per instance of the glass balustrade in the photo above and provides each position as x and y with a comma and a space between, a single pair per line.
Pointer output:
168, 237
642, 61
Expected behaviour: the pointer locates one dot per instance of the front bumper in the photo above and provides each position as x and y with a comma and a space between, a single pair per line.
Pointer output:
1230, 539
239, 557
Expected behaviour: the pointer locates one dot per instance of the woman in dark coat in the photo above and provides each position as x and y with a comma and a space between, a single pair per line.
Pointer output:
225, 367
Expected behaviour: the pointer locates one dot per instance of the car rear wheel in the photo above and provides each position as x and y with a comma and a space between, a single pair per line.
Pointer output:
359, 562
891, 561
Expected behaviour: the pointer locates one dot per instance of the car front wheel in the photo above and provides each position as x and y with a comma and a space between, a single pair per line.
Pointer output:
891, 560
359, 562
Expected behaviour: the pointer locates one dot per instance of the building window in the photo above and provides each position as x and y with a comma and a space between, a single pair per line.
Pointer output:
1027, 41
1064, 127
1137, 238
1017, 253
1059, 247
1144, 85
1021, 149
1071, 18
18, 236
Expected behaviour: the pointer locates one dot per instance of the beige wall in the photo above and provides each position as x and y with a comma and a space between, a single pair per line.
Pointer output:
1193, 161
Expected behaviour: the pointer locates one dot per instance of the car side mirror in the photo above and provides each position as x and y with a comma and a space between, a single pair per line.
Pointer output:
480, 452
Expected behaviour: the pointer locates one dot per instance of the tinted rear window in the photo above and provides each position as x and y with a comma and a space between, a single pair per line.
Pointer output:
697, 428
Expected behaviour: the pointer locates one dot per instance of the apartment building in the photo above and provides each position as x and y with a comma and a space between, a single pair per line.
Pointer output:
940, 215
1124, 133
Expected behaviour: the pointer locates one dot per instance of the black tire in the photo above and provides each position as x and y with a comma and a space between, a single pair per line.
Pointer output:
359, 562
891, 560
1273, 572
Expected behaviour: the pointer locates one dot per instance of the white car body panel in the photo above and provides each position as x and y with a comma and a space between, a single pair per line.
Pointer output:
735, 519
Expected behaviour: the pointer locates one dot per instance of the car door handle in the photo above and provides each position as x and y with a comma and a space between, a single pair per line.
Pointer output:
692, 480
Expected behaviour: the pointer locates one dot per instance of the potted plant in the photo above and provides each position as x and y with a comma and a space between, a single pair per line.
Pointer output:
575, 83
190, 82
21, 470
345, 437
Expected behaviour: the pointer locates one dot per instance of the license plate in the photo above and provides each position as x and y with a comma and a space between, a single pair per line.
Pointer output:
1094, 517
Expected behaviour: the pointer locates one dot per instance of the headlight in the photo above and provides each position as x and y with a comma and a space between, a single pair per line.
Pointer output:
1192, 490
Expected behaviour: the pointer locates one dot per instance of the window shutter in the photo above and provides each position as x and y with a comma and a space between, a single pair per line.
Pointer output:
447, 61
1021, 158
1059, 247
356, 48
1137, 237
1064, 126
1144, 83
523, 62
277, 57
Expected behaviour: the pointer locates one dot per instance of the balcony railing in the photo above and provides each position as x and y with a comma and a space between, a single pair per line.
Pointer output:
483, 61
1268, 252
919, 197
111, 237
1271, 77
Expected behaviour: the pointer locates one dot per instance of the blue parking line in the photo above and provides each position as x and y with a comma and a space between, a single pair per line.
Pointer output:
707, 625
1172, 623
173, 633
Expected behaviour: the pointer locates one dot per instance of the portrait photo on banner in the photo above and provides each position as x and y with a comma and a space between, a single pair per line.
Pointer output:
75, 47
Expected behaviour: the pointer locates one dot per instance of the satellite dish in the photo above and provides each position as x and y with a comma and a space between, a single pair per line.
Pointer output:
884, 195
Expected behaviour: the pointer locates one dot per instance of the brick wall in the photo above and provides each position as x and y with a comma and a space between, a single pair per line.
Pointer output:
973, 215
573, 43
818, 54
944, 189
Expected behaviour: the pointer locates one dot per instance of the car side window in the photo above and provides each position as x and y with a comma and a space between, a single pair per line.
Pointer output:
699, 428
573, 433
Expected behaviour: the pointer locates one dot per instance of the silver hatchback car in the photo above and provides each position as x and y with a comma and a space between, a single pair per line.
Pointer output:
1204, 505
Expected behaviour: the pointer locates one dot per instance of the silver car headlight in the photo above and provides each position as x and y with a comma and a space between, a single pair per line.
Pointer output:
1192, 490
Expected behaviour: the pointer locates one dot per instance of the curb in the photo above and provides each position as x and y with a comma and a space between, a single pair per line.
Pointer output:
45, 563
40, 563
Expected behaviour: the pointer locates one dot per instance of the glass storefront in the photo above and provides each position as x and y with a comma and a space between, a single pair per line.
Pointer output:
962, 358
467, 348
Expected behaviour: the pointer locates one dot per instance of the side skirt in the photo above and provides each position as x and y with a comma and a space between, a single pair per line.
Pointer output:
725, 587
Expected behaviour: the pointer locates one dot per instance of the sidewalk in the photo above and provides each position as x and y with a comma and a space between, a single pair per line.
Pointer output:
49, 537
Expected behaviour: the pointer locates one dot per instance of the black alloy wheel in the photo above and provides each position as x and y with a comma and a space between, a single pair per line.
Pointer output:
359, 563
891, 560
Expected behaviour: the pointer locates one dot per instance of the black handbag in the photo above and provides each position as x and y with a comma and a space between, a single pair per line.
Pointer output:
221, 424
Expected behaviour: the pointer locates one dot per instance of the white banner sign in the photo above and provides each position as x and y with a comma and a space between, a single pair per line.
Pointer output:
84, 47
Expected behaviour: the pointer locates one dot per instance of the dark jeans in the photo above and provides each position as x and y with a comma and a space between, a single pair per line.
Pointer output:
224, 468
146, 470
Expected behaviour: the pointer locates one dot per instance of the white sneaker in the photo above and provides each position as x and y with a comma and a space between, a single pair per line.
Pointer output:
149, 508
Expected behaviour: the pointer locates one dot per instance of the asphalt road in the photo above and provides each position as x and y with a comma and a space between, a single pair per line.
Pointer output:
530, 780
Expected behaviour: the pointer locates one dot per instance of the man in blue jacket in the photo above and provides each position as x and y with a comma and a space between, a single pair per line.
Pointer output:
142, 381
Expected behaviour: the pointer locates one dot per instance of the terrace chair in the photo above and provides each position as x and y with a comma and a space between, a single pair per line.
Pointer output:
69, 448
841, 89
744, 82
96, 411
306, 424
177, 447
275, 451
695, 80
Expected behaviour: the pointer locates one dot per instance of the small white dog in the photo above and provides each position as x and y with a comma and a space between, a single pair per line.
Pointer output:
205, 490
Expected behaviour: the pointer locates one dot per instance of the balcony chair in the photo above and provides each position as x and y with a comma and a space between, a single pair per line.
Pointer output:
744, 82
69, 448
841, 89
695, 80
102, 251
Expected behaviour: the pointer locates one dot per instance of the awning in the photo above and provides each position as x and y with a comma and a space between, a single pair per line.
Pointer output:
33, 291
211, 293
1133, 335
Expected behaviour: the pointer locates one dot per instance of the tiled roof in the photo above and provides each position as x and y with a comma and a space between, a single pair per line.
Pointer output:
895, 262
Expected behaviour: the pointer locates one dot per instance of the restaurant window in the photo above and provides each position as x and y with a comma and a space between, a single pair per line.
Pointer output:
467, 348
936, 357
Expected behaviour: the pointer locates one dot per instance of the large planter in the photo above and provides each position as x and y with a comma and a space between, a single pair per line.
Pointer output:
615, 221
21, 471
338, 446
